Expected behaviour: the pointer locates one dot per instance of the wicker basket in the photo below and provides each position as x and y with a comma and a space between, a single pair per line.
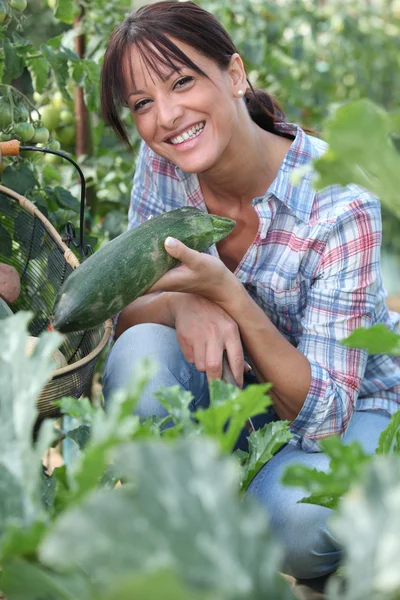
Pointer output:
30, 243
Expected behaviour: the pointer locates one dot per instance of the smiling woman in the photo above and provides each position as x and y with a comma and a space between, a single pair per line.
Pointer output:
297, 274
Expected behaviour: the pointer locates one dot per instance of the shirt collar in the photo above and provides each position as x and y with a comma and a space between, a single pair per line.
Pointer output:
298, 198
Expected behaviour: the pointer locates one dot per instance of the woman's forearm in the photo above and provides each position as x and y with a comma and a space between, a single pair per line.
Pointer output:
273, 358
151, 308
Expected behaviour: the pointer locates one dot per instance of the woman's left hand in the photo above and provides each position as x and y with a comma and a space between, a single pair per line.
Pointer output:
199, 274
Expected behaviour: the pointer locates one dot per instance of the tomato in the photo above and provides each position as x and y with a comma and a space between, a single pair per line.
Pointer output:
25, 131
5, 114
3, 12
50, 116
66, 135
66, 117
52, 159
41, 135
18, 5
54, 145
57, 100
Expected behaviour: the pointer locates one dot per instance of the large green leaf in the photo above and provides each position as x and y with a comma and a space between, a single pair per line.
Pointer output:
389, 440
65, 11
263, 444
58, 62
21, 380
18, 178
346, 467
229, 410
178, 509
38, 68
361, 151
22, 580
377, 339
368, 526
14, 65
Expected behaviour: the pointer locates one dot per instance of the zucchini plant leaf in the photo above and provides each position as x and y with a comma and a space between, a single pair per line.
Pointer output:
178, 509
21, 381
263, 444
377, 339
229, 410
361, 151
162, 585
327, 488
389, 440
22, 579
368, 526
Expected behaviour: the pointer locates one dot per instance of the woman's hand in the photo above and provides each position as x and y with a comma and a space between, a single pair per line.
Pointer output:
204, 331
199, 274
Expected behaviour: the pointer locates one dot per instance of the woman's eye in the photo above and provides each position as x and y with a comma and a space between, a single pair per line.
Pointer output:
140, 104
183, 81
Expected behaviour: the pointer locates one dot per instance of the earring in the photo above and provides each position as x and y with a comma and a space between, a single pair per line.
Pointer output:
240, 92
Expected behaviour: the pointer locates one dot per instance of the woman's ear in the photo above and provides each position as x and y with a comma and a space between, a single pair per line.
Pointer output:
237, 73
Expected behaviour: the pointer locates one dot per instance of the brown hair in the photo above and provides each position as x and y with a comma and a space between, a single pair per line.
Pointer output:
150, 29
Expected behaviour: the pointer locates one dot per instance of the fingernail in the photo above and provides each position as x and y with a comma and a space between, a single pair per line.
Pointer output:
171, 242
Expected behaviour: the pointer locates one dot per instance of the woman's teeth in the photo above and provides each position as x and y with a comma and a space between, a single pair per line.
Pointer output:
188, 135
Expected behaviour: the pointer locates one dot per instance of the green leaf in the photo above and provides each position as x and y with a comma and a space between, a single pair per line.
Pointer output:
14, 65
58, 62
263, 444
162, 585
18, 178
5, 242
38, 68
377, 339
22, 542
65, 11
22, 579
79, 408
346, 467
21, 381
66, 199
80, 435
179, 508
368, 527
361, 152
390, 435
229, 410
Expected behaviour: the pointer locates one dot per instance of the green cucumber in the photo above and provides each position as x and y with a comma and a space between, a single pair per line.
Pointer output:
5, 310
129, 265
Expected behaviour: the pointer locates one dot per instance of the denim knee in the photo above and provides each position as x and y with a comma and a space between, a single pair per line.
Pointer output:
159, 343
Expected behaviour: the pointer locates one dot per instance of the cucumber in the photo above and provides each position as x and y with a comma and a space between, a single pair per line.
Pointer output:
130, 264
5, 310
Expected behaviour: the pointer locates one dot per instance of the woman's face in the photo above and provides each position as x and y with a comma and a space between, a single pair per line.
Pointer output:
185, 117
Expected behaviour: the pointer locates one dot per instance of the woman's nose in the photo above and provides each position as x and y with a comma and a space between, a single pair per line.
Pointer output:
169, 113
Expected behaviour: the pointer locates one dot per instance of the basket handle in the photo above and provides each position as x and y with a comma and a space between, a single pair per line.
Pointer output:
13, 148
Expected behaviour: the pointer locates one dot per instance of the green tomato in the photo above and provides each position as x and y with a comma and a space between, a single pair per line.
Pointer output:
54, 145
3, 12
66, 135
25, 131
41, 136
66, 117
57, 100
5, 114
18, 5
50, 116
52, 159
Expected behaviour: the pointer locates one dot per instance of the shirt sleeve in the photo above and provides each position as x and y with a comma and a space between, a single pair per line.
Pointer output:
145, 200
342, 298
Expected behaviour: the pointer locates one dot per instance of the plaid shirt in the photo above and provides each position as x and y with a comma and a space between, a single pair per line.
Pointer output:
314, 269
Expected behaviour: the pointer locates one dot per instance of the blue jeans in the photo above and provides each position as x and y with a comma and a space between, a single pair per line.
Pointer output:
310, 550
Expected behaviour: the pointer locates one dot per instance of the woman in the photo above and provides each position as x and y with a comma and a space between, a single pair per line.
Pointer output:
298, 273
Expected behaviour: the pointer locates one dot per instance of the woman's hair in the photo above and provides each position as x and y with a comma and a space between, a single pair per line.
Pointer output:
150, 29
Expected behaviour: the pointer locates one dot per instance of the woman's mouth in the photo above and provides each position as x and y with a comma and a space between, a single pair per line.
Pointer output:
187, 135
